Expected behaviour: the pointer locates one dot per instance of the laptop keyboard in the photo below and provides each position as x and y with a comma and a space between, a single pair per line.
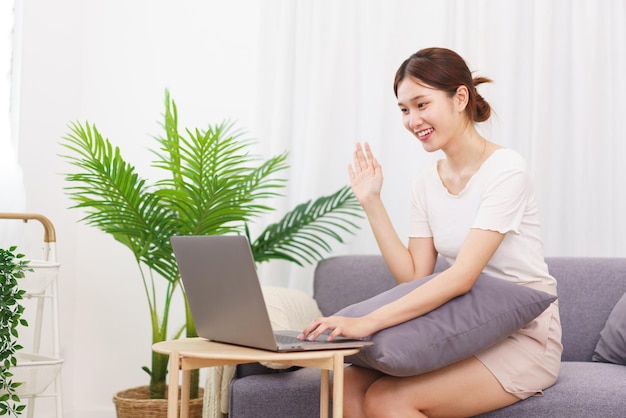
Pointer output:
287, 339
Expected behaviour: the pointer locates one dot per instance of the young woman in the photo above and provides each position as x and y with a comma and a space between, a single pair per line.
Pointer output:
475, 208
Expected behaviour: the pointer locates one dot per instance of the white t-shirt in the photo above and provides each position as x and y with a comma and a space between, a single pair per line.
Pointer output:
498, 197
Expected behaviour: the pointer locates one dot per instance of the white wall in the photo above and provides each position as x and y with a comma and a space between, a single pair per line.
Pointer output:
109, 62
10, 173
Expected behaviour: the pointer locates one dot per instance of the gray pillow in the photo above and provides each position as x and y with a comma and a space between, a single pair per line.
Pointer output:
612, 345
492, 310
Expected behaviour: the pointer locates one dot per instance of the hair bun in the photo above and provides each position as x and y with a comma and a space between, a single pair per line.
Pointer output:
483, 109
480, 80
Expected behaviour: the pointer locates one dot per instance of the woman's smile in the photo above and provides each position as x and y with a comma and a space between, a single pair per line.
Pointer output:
424, 134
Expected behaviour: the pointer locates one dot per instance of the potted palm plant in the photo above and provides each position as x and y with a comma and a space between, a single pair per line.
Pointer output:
211, 185
12, 267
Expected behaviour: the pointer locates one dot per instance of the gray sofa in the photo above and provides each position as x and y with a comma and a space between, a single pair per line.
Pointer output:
588, 290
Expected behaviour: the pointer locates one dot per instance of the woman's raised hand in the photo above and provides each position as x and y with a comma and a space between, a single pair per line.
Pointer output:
366, 175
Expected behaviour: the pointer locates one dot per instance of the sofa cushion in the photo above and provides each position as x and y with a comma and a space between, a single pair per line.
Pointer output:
291, 394
612, 345
583, 389
493, 309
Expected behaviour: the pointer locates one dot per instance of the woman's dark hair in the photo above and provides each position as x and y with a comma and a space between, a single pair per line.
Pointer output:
445, 70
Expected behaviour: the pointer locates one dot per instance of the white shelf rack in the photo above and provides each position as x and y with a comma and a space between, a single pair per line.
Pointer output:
38, 370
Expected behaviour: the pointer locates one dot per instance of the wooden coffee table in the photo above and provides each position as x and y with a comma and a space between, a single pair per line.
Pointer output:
194, 353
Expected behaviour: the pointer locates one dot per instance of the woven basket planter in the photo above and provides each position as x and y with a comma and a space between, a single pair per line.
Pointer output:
136, 403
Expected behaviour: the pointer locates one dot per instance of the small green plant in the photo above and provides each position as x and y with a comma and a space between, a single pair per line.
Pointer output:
11, 269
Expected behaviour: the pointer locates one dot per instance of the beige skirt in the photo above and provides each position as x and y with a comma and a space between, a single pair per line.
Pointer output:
528, 361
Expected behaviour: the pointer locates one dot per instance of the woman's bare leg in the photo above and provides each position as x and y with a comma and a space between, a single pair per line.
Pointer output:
357, 381
463, 389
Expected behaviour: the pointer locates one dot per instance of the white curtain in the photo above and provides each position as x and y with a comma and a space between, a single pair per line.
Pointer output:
11, 186
558, 68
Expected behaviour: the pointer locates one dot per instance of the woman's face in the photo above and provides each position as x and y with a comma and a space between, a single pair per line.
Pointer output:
431, 115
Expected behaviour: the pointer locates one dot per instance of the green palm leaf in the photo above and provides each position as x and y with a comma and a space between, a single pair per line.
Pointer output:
213, 188
116, 200
302, 235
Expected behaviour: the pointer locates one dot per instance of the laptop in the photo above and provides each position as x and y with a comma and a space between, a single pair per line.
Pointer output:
220, 280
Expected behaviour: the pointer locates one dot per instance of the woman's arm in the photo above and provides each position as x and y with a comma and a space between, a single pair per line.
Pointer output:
366, 178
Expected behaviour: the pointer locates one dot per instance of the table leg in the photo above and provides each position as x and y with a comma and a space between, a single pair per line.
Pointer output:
324, 389
184, 394
338, 386
172, 397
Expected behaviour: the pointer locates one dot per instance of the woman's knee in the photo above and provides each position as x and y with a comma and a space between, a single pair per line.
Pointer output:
356, 383
382, 400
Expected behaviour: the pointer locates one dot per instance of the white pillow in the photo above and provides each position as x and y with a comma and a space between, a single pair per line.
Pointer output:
288, 309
